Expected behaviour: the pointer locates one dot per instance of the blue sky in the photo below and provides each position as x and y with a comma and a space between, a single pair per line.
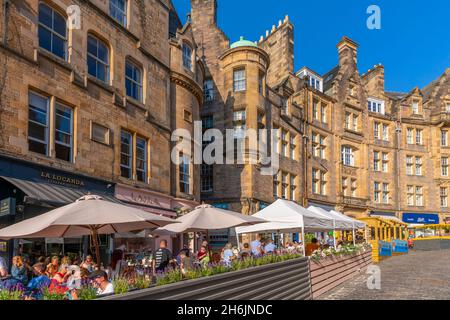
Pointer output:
413, 43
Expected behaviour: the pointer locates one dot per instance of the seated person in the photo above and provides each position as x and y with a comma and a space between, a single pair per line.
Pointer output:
40, 282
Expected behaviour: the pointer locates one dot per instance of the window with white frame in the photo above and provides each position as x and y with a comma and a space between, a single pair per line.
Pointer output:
384, 162
315, 83
293, 146
419, 196
409, 165
141, 159
348, 157
319, 182
187, 56
444, 138
118, 10
419, 136
52, 31
292, 187
323, 112
385, 132
315, 109
98, 59
351, 121
410, 136
126, 154
418, 166
415, 107
261, 81
133, 81
414, 195
318, 145
38, 123
323, 183
239, 80
385, 193
184, 173
376, 105
376, 130
63, 132
444, 166
376, 160
208, 90
444, 197
376, 192
447, 107
239, 124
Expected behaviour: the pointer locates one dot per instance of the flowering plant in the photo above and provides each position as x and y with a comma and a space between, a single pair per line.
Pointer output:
341, 250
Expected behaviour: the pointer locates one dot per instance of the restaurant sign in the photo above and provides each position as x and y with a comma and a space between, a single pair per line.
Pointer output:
61, 179
7, 207
421, 218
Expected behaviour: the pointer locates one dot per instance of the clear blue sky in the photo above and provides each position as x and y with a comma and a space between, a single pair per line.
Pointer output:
413, 43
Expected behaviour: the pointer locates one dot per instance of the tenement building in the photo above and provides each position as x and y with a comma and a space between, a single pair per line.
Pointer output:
90, 94
344, 143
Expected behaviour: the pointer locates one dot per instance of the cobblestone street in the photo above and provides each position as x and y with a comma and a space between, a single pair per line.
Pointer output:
423, 275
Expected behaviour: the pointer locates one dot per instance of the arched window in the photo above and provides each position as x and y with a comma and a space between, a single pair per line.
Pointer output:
348, 157
52, 31
187, 56
133, 81
98, 59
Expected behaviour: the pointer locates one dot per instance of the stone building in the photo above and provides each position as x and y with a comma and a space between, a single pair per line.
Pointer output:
344, 142
88, 103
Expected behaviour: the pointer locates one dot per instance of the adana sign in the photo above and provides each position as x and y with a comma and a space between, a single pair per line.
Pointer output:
422, 218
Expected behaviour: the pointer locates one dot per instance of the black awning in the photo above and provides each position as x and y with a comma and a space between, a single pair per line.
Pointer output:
51, 193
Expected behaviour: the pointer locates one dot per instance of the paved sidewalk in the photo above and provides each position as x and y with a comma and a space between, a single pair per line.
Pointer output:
423, 275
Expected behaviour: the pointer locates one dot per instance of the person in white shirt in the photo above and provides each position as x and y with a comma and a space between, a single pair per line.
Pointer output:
101, 280
3, 268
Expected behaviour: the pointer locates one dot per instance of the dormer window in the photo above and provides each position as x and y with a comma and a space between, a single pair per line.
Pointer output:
376, 105
315, 83
415, 107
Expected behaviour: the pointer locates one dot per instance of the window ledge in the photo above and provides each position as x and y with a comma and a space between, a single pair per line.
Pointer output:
105, 86
135, 103
55, 59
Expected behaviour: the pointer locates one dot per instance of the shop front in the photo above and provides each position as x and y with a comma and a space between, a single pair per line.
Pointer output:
156, 203
28, 190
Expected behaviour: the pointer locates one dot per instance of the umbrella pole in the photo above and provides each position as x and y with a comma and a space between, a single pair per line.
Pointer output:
96, 245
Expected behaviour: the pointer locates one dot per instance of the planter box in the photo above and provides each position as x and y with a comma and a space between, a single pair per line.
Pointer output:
330, 272
288, 280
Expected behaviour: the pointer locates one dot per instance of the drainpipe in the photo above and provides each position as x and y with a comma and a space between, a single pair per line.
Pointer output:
398, 132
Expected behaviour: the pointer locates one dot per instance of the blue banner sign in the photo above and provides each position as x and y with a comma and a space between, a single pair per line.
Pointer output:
421, 218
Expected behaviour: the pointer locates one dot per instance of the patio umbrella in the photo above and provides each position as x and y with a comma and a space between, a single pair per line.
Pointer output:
206, 217
89, 215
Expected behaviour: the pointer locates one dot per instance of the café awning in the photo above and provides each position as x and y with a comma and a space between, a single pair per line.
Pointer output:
50, 193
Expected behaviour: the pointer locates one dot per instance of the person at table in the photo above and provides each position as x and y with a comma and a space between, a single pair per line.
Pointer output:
52, 267
161, 258
246, 251
202, 256
101, 282
39, 282
256, 246
185, 262
88, 264
270, 247
19, 271
311, 247
228, 255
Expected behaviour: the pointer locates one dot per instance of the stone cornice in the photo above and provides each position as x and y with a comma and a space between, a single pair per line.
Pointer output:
188, 84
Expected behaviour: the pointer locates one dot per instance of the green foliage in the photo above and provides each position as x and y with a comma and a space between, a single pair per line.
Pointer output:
140, 282
120, 285
87, 293
6, 294
342, 250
